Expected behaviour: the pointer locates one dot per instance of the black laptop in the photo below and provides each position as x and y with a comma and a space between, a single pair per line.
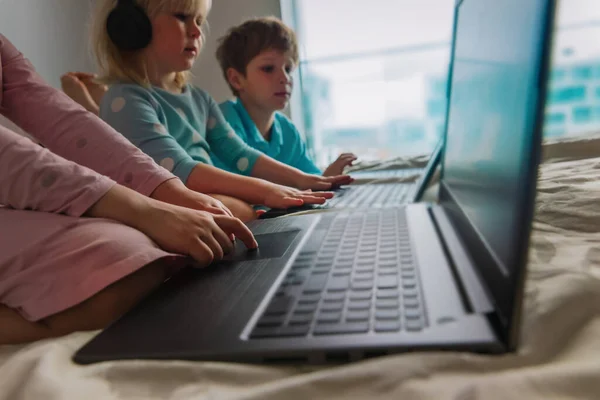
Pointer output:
352, 284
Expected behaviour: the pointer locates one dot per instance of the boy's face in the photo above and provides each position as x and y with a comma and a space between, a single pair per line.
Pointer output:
268, 82
176, 41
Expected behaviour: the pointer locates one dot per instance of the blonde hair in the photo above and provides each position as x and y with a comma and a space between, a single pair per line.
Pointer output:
128, 66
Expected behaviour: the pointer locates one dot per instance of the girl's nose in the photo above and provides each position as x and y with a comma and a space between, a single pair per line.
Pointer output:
195, 31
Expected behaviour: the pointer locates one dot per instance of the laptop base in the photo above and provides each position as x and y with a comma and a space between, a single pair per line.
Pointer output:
209, 314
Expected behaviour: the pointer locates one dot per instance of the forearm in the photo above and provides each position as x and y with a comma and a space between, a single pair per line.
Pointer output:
208, 179
274, 171
68, 130
123, 205
33, 178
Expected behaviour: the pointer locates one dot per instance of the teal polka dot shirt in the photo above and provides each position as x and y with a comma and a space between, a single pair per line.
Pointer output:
177, 130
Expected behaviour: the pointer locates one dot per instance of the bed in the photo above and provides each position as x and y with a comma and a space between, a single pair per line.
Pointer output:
559, 356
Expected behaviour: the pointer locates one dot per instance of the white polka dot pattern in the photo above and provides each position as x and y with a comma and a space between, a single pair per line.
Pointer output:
117, 104
196, 138
243, 164
159, 128
212, 122
204, 154
168, 164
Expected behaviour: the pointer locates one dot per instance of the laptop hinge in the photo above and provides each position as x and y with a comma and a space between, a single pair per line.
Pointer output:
462, 265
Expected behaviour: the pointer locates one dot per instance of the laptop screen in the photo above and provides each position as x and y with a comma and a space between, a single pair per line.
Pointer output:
497, 86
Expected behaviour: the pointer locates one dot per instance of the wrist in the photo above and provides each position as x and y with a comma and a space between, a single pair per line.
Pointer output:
123, 205
259, 190
298, 179
172, 191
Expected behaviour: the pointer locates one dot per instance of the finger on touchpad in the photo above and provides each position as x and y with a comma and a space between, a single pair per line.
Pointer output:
270, 245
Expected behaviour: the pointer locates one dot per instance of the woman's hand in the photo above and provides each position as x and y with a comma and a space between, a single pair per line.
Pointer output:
337, 167
318, 182
278, 196
201, 235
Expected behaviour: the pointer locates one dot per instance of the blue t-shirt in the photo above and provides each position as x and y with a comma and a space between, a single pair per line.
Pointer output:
285, 144
177, 130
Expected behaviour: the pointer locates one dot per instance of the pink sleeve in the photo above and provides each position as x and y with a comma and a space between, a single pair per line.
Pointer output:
67, 129
33, 178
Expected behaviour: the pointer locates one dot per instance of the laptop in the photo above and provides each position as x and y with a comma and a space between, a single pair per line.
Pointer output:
341, 286
375, 195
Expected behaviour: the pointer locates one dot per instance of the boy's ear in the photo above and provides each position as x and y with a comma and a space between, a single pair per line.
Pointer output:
235, 78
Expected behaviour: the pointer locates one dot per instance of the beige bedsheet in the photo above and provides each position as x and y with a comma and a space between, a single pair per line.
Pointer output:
559, 357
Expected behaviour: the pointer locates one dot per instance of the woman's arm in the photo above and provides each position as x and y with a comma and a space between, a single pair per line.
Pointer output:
33, 178
67, 129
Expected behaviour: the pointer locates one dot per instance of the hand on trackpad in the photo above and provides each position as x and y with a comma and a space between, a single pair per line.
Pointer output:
270, 245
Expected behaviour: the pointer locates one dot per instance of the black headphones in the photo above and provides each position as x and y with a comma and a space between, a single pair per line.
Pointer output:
128, 26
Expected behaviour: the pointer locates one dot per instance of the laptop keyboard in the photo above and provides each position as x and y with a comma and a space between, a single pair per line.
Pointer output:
387, 173
363, 278
372, 196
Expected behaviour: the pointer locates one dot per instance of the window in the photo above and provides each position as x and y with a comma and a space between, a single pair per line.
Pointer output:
556, 118
582, 73
582, 115
573, 91
373, 78
566, 94
558, 74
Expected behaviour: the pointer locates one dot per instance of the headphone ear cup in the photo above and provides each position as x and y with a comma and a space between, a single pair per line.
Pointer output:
129, 27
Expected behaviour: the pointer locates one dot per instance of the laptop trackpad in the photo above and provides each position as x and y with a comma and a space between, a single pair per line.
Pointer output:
270, 245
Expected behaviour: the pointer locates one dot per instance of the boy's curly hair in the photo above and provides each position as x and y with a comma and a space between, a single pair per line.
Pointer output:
244, 42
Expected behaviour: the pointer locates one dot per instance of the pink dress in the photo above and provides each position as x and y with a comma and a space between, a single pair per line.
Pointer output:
51, 258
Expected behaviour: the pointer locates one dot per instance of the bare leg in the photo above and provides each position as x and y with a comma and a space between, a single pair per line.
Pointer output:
239, 208
94, 313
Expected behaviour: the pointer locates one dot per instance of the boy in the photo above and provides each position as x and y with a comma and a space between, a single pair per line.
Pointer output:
257, 59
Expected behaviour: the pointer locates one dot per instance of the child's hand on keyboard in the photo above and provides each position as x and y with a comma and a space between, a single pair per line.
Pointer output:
337, 167
278, 196
317, 182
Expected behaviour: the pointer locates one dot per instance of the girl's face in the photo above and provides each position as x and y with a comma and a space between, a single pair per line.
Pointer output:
176, 41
